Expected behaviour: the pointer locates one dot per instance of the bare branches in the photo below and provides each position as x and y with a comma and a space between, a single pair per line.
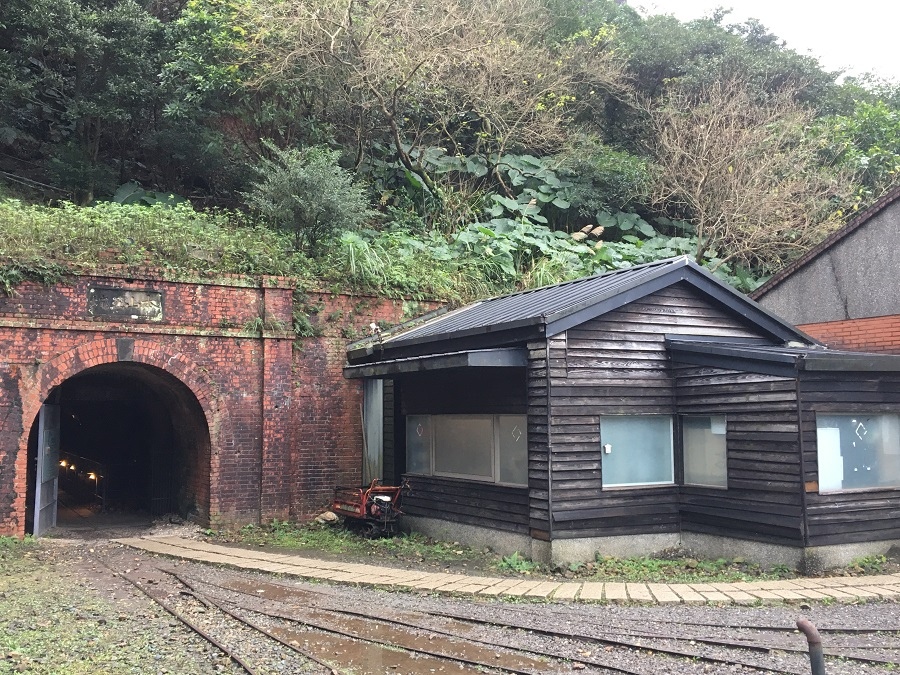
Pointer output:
439, 70
742, 172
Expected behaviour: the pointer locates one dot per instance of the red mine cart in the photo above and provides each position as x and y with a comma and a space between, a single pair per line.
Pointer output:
374, 509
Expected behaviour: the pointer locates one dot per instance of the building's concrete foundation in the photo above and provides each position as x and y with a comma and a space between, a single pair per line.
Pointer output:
808, 560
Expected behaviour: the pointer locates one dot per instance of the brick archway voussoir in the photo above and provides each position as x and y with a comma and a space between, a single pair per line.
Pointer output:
100, 352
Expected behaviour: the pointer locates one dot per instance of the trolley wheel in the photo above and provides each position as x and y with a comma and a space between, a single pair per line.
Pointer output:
371, 530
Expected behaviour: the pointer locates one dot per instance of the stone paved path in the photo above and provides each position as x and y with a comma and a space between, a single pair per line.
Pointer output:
840, 589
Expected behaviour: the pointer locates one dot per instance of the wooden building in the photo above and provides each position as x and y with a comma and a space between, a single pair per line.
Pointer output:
634, 411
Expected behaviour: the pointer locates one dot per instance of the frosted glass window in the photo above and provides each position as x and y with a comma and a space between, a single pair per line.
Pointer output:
637, 450
513, 445
858, 451
418, 444
463, 445
479, 447
703, 439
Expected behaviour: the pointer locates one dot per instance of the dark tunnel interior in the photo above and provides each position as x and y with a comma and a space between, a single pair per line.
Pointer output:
133, 440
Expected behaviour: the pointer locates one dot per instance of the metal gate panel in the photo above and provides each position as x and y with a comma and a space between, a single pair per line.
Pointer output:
373, 430
47, 486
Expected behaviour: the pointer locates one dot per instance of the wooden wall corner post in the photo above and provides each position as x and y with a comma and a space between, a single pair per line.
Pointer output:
549, 443
804, 485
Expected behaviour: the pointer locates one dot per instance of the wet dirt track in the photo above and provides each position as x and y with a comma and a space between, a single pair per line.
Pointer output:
271, 625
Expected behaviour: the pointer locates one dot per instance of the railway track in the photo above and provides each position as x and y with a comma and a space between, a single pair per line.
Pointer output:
255, 621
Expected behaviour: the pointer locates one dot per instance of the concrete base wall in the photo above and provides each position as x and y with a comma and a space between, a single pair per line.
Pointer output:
563, 551
810, 560
767, 555
504, 543
558, 552
818, 558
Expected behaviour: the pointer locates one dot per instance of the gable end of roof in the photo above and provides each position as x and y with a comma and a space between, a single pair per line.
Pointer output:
551, 310
826, 244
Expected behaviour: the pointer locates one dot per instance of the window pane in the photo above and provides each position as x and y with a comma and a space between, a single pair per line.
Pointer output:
640, 450
418, 444
463, 445
858, 451
513, 449
704, 451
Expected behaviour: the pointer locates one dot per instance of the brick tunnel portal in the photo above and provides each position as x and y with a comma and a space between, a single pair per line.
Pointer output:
134, 444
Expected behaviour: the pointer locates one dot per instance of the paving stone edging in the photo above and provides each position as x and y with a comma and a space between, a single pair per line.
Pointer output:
837, 589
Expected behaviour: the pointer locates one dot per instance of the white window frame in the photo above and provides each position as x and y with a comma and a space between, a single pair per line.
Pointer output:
637, 486
890, 447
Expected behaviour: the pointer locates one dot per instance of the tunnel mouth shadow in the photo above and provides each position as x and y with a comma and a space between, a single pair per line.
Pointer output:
134, 446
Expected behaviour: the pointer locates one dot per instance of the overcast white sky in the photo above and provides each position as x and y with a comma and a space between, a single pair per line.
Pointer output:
858, 36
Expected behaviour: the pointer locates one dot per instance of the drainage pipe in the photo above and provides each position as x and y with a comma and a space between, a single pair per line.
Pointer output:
816, 655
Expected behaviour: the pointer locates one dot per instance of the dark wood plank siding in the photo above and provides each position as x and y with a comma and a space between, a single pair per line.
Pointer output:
618, 365
486, 391
495, 391
498, 507
853, 516
764, 499
538, 493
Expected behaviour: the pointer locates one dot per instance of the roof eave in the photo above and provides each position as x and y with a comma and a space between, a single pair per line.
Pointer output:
726, 357
503, 335
844, 362
509, 357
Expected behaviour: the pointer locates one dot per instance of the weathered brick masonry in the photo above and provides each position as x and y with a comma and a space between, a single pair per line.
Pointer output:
873, 334
328, 417
270, 427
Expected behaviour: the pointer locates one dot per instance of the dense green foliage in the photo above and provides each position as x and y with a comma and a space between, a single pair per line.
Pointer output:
179, 237
867, 142
433, 147
307, 194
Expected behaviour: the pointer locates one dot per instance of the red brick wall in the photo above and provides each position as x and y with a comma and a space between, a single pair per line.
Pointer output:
284, 425
327, 418
204, 340
875, 334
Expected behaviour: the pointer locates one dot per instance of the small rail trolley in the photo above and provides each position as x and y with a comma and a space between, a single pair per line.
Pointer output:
374, 510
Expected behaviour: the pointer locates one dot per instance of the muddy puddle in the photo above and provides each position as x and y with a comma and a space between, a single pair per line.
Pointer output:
364, 657
377, 642
296, 597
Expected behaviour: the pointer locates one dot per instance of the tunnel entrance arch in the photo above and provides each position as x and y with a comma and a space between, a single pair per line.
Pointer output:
133, 440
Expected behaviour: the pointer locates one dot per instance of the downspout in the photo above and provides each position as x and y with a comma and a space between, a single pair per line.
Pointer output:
803, 521
549, 445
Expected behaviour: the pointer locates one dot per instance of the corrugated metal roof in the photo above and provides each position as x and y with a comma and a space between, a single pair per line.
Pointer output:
544, 312
539, 305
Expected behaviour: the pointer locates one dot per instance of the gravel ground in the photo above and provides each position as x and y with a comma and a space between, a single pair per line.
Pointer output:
74, 606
